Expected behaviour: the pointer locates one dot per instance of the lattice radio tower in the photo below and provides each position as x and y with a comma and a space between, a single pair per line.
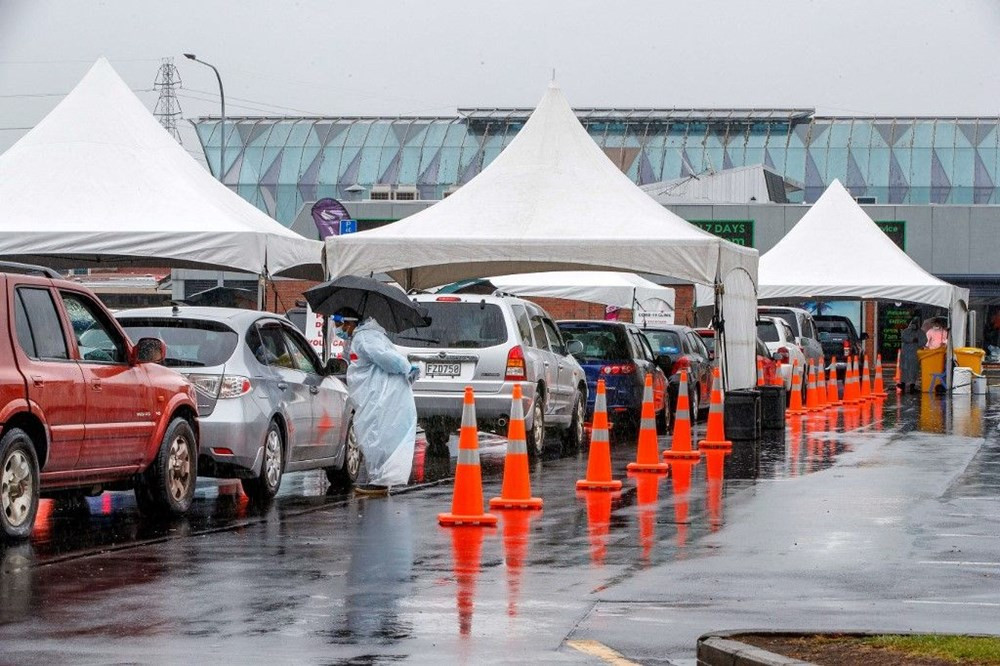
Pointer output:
168, 109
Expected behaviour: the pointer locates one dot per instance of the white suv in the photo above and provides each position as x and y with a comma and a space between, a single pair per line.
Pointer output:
491, 343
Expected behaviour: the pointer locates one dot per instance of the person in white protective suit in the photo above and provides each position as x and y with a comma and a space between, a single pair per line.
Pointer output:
385, 417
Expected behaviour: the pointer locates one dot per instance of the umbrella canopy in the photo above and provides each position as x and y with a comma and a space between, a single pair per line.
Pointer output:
387, 305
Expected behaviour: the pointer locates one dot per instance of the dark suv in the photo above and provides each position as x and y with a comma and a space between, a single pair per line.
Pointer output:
839, 338
82, 409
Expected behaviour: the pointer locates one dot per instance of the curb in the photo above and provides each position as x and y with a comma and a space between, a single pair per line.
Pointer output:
715, 650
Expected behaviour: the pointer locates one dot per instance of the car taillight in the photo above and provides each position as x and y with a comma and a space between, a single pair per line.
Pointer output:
683, 363
782, 355
206, 384
516, 370
234, 386
847, 347
619, 369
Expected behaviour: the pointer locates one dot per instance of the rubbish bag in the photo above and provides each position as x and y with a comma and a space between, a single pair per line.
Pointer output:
385, 417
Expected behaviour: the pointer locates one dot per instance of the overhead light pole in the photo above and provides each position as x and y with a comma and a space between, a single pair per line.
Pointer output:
222, 125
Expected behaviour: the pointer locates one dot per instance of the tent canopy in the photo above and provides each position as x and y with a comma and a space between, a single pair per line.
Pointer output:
624, 290
98, 182
553, 201
812, 262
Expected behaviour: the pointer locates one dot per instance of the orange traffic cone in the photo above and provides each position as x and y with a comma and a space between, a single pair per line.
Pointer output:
681, 444
866, 380
777, 379
715, 437
515, 493
879, 389
795, 407
467, 502
821, 384
852, 393
760, 371
647, 457
898, 378
832, 395
812, 402
599, 459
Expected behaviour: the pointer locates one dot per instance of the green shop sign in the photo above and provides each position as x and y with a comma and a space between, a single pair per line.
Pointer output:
734, 231
894, 229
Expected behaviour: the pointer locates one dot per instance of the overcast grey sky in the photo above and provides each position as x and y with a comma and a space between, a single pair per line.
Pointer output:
908, 57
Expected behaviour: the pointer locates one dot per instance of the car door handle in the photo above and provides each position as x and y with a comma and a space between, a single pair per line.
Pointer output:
314, 390
282, 385
96, 384
37, 380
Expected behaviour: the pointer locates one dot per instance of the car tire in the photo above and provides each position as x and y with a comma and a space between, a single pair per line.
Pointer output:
347, 474
694, 399
437, 441
573, 436
19, 491
536, 436
263, 487
167, 485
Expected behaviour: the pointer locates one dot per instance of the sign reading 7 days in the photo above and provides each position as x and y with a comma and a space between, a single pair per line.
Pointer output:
734, 231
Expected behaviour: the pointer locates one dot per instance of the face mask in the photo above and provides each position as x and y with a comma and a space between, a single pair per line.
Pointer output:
342, 334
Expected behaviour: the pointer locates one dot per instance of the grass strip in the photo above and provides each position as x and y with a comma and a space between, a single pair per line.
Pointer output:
960, 649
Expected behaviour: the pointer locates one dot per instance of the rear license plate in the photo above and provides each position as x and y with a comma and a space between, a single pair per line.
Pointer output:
444, 369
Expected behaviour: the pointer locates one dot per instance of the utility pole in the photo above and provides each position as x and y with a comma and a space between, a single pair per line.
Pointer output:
168, 109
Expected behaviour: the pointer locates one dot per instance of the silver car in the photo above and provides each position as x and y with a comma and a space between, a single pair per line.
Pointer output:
492, 343
265, 403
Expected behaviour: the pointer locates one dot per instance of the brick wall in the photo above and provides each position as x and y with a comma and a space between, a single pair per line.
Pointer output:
282, 294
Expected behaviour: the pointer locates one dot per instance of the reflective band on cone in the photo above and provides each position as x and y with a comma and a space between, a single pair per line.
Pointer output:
879, 389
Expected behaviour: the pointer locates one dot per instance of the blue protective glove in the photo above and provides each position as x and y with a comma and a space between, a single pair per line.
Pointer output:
414, 374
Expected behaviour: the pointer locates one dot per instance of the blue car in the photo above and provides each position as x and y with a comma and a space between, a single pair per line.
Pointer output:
618, 353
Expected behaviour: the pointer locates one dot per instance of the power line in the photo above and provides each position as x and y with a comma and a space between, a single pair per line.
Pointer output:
255, 101
64, 93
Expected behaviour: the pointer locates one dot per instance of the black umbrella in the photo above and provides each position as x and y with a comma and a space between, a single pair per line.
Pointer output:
386, 304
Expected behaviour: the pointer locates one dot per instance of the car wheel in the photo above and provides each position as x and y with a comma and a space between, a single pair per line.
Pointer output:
167, 485
573, 437
265, 485
536, 436
347, 474
437, 441
18, 484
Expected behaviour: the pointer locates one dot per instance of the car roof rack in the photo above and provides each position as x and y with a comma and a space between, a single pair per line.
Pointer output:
28, 269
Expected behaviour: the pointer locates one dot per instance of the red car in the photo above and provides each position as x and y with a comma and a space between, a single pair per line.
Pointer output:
82, 409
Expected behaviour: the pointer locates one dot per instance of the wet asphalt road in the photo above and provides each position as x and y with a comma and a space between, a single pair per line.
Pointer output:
886, 519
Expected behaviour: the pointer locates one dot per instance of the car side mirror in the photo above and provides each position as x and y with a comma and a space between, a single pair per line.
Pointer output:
664, 362
574, 347
149, 350
711, 355
336, 366
864, 336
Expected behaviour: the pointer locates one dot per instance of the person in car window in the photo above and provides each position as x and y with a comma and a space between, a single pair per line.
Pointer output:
385, 420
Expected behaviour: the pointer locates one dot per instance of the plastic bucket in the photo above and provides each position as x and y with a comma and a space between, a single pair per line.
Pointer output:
931, 363
742, 414
970, 357
772, 407
961, 381
979, 386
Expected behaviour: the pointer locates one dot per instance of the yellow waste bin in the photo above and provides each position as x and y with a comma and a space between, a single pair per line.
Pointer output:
931, 363
970, 357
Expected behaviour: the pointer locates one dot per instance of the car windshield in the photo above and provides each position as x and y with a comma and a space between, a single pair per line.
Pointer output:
837, 326
191, 343
708, 339
787, 315
664, 342
457, 324
767, 331
601, 342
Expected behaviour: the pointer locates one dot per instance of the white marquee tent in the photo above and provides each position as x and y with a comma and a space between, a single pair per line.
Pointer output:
624, 290
553, 201
98, 182
812, 262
